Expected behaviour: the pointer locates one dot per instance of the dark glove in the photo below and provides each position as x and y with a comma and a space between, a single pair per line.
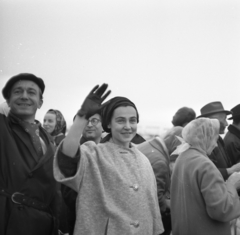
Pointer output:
93, 101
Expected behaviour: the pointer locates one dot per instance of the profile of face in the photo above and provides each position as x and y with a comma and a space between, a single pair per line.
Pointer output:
123, 125
25, 99
49, 122
222, 118
93, 130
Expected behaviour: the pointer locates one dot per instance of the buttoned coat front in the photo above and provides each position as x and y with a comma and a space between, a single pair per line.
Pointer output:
117, 191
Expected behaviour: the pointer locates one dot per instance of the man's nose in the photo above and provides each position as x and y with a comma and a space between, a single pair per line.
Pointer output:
89, 123
24, 95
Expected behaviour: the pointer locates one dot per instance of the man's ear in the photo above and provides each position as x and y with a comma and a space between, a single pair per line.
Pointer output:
40, 103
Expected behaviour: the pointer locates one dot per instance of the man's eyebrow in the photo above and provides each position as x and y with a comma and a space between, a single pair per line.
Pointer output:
18, 87
31, 88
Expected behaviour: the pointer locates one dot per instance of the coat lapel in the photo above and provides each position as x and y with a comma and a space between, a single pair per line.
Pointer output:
49, 152
23, 137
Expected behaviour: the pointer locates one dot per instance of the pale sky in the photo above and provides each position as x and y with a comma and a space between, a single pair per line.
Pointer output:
162, 55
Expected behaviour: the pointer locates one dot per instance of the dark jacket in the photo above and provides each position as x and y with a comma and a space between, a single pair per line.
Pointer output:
157, 153
21, 172
220, 158
232, 144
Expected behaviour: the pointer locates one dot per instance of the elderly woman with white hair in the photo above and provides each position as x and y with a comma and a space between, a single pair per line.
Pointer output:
201, 201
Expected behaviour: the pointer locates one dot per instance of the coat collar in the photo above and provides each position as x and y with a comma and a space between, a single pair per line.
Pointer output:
159, 144
18, 130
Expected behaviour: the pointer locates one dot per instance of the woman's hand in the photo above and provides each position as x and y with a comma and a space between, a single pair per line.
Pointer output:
93, 101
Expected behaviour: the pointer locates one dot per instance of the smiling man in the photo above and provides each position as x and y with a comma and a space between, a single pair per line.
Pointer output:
28, 191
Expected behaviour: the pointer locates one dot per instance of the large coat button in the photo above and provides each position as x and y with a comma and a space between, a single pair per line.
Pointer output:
135, 224
135, 187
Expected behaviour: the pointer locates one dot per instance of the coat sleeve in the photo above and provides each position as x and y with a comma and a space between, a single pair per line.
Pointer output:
73, 180
161, 172
222, 202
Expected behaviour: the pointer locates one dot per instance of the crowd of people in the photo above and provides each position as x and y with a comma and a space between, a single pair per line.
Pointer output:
103, 178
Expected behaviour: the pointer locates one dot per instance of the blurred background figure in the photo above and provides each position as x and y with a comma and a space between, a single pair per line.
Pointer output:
156, 152
201, 201
219, 156
180, 119
55, 124
183, 116
232, 138
93, 130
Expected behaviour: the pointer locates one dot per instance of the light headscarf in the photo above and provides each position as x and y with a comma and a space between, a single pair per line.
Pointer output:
200, 134
61, 125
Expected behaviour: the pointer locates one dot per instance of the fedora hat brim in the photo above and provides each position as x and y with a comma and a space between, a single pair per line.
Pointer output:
213, 112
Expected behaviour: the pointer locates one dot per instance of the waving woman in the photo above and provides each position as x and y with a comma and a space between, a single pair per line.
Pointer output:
115, 182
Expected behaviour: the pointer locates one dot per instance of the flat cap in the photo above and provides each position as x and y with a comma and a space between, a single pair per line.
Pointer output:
22, 76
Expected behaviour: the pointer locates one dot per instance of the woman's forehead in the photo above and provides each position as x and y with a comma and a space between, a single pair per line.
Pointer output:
50, 115
125, 111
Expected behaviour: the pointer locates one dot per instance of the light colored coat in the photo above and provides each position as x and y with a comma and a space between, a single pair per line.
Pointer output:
201, 202
116, 189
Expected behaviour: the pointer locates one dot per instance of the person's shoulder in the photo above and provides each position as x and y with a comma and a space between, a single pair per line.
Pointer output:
2, 116
3, 120
192, 156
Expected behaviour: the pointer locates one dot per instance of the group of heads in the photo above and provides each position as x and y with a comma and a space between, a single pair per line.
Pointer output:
119, 116
202, 132
24, 95
213, 110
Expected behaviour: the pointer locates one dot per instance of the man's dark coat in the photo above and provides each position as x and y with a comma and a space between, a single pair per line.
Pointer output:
21, 171
232, 144
220, 158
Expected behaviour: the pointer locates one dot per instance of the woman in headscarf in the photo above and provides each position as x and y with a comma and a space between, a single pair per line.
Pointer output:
115, 182
201, 201
55, 124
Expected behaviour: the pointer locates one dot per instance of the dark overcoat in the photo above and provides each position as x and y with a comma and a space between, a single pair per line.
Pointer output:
220, 158
22, 172
232, 144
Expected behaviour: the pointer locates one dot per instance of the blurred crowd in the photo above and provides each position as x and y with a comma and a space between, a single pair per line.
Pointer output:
103, 177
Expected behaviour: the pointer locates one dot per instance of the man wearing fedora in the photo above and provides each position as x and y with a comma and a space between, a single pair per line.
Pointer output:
219, 155
232, 138
28, 190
